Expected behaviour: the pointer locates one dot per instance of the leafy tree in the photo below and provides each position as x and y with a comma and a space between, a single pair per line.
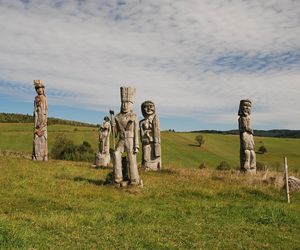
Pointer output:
200, 140
262, 149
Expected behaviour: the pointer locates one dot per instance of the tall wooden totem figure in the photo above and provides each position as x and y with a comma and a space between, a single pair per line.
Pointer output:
103, 156
40, 114
150, 137
247, 146
127, 129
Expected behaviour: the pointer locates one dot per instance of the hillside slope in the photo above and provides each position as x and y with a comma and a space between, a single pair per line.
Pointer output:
21, 118
178, 149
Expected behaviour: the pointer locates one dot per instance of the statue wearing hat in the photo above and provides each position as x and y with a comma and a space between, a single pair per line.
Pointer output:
40, 114
126, 128
103, 156
150, 137
247, 146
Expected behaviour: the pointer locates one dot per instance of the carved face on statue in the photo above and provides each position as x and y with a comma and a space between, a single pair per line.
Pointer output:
245, 107
40, 91
148, 108
126, 107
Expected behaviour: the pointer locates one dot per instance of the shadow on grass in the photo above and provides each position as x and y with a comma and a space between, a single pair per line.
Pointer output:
102, 167
108, 180
194, 145
166, 171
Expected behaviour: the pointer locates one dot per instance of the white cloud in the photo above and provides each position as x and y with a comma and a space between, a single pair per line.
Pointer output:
167, 49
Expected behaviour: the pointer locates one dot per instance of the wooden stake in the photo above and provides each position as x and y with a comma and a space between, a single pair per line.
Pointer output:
287, 180
113, 127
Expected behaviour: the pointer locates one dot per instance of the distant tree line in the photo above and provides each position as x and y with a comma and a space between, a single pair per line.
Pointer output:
281, 133
21, 118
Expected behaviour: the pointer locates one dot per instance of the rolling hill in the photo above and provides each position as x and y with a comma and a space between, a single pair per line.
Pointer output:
179, 149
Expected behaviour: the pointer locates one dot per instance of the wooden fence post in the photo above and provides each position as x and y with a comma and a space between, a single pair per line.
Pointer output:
287, 180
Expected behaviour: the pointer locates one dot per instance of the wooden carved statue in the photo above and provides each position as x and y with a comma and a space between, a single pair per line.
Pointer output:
150, 137
103, 156
126, 129
247, 146
40, 114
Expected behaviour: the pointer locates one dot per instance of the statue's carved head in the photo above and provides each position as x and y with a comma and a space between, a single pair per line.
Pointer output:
245, 107
127, 96
148, 108
126, 107
39, 87
106, 118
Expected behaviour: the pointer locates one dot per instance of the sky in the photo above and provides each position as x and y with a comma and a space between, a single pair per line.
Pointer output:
196, 59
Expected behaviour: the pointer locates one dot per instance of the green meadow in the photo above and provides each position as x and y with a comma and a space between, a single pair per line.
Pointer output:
68, 205
179, 149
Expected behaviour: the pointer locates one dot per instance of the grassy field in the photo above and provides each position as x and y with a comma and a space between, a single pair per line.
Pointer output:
181, 149
65, 205
178, 149
18, 137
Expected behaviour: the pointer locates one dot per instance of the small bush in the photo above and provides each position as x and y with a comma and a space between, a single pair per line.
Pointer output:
202, 165
64, 149
224, 165
262, 149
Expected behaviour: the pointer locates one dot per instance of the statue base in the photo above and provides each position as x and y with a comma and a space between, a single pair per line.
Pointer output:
249, 170
102, 160
127, 184
152, 166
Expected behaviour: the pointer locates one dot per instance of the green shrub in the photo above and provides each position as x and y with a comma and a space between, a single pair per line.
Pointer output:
262, 149
224, 165
64, 149
202, 165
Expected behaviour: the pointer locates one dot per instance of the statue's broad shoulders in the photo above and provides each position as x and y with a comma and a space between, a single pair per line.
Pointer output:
128, 116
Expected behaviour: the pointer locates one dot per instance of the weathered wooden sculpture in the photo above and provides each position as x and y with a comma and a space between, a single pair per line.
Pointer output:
40, 114
126, 128
294, 184
150, 137
247, 146
103, 156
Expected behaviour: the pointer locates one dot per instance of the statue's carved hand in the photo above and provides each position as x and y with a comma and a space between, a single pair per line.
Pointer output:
148, 135
39, 132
